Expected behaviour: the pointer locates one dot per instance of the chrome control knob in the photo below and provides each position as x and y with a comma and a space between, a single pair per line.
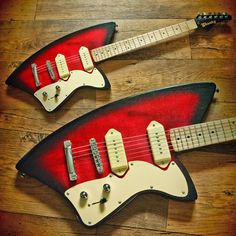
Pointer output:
84, 195
106, 188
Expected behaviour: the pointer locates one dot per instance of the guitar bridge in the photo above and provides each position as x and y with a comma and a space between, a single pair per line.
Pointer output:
96, 155
35, 74
69, 160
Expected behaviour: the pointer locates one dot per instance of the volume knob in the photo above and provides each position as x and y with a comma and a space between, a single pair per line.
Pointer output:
106, 188
84, 195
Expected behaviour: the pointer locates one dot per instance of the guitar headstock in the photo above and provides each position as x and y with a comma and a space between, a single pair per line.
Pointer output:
205, 20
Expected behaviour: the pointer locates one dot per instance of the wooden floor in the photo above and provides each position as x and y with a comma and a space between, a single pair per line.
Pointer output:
30, 208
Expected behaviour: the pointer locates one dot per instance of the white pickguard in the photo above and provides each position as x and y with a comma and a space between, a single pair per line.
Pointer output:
78, 78
141, 176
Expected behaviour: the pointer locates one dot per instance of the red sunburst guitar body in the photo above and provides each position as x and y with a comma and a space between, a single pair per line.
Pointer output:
76, 159
40, 76
59, 69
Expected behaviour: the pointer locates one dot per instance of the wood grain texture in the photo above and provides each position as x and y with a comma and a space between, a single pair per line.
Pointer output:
30, 208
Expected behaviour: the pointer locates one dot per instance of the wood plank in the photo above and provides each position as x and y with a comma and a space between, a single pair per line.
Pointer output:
124, 231
132, 10
214, 176
12, 10
30, 208
35, 122
29, 196
30, 225
30, 36
218, 42
138, 76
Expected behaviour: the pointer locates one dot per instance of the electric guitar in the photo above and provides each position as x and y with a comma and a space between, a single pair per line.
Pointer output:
102, 160
56, 71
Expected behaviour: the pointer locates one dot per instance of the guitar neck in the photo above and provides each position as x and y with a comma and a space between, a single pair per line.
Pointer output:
199, 135
131, 44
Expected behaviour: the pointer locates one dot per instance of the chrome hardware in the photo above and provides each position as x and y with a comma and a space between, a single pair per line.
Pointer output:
96, 155
84, 195
69, 160
50, 70
106, 188
35, 74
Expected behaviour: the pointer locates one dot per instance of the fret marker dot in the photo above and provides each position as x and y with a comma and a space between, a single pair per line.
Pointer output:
199, 134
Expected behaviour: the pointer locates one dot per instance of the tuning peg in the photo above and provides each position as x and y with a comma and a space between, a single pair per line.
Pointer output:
224, 13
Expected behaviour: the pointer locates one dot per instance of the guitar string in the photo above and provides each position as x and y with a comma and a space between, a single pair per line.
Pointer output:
44, 67
129, 152
167, 132
170, 147
53, 65
163, 137
129, 156
122, 41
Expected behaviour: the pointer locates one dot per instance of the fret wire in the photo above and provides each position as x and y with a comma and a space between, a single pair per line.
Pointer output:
222, 129
216, 132
147, 38
185, 138
209, 133
116, 48
213, 133
180, 28
181, 140
160, 36
155, 37
176, 139
150, 38
230, 128
190, 136
126, 47
194, 127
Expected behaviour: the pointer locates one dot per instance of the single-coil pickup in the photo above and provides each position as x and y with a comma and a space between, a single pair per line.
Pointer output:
86, 59
96, 155
69, 160
159, 145
62, 67
116, 152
